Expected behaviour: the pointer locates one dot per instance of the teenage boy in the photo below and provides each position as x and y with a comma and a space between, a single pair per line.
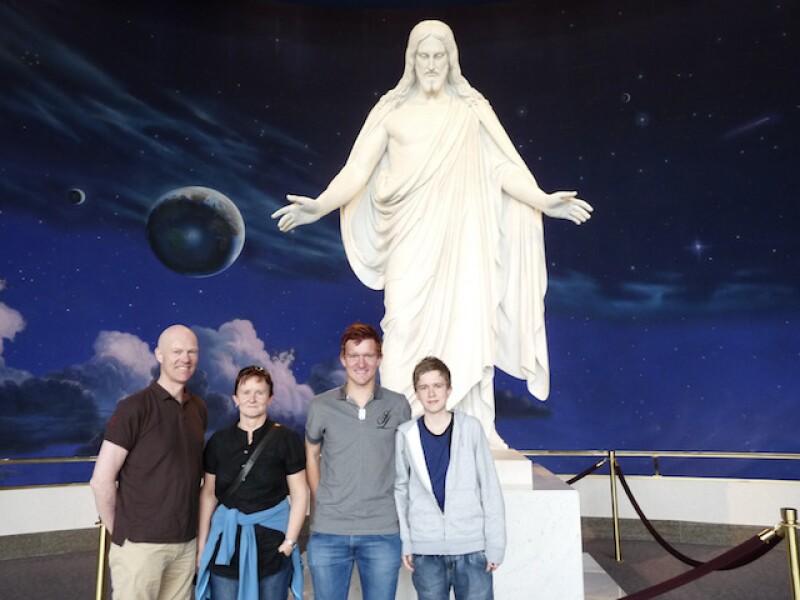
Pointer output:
448, 496
350, 469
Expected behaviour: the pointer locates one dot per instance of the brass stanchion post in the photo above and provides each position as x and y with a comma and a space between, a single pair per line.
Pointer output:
789, 518
612, 461
102, 554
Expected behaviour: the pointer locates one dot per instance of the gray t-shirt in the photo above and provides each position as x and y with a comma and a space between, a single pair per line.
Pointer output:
356, 488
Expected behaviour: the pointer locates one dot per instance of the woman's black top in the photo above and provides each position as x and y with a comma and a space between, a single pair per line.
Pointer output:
225, 454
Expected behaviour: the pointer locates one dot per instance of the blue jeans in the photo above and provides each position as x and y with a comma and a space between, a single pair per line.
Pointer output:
433, 577
331, 559
271, 587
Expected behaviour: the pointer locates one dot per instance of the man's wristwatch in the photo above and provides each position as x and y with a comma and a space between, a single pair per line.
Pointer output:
291, 542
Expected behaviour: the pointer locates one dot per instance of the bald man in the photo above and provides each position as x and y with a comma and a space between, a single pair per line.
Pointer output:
146, 480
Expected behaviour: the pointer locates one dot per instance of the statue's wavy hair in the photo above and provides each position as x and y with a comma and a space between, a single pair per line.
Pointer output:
457, 84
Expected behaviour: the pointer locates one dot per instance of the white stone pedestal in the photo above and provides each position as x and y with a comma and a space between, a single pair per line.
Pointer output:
514, 469
544, 559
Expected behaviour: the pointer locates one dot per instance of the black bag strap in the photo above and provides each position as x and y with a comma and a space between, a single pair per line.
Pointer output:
249, 464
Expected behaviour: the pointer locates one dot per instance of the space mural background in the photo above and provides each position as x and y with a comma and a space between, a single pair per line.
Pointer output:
673, 316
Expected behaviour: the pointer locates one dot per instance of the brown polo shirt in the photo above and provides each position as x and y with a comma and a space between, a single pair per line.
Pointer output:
159, 483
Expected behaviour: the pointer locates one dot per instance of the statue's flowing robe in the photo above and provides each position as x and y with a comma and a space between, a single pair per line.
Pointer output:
461, 264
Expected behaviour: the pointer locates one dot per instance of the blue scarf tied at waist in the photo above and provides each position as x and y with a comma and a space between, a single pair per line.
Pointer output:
223, 525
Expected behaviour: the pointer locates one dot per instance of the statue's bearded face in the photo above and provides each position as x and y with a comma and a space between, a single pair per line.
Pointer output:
431, 65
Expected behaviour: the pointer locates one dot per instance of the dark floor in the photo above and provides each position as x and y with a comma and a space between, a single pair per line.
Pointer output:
72, 576
645, 564
63, 576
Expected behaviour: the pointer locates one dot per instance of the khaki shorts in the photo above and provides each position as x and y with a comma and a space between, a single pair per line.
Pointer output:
145, 571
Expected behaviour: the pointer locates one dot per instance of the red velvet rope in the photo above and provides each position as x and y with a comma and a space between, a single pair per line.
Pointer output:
667, 546
586, 472
741, 555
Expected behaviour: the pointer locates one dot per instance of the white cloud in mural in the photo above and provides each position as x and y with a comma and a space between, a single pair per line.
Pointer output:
11, 323
236, 344
123, 363
128, 350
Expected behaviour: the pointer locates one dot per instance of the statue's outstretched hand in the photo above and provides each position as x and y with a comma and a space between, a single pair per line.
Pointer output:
302, 211
566, 205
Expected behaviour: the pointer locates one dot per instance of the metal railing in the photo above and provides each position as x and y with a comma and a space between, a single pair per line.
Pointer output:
611, 457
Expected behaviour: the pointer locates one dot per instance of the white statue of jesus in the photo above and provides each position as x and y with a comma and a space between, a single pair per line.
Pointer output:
439, 210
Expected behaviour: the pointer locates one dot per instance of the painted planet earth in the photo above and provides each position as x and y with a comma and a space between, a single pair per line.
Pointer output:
195, 231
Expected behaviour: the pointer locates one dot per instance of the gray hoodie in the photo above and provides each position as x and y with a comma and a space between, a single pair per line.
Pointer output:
474, 512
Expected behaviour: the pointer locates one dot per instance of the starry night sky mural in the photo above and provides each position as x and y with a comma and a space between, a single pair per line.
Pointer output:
673, 315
